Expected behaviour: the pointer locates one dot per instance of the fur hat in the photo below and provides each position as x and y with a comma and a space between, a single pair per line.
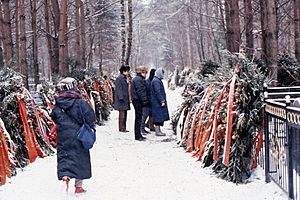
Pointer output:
141, 69
124, 68
66, 84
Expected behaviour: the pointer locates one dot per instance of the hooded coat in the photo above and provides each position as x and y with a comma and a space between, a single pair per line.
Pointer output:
121, 93
158, 95
73, 160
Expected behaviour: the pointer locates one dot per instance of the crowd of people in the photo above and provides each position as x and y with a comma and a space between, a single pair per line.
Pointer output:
148, 97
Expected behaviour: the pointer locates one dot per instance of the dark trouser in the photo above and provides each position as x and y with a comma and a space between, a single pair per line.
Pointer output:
138, 108
158, 123
146, 112
122, 120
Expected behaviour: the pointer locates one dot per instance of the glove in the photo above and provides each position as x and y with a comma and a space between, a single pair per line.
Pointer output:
162, 104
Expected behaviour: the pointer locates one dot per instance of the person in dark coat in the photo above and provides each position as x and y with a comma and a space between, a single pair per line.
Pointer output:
159, 104
139, 99
147, 109
122, 102
73, 160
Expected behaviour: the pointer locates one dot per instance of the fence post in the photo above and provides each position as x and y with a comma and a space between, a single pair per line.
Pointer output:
266, 133
289, 150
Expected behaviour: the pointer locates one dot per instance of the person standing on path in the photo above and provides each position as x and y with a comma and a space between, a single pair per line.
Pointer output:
122, 102
139, 99
147, 110
159, 104
73, 160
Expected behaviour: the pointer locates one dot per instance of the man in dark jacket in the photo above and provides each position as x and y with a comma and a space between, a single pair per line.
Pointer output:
159, 104
73, 160
122, 103
139, 99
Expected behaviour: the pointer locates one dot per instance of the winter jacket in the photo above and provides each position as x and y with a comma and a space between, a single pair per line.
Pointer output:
72, 159
139, 90
159, 113
121, 93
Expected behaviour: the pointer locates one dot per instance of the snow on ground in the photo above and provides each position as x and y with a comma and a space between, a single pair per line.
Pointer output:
125, 169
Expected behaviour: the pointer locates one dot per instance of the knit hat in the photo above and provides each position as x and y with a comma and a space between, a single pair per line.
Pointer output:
66, 84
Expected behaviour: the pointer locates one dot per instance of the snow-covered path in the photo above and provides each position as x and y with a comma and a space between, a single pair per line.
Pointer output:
125, 169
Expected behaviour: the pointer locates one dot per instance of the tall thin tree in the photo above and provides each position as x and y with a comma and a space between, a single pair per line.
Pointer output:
63, 38
34, 41
297, 28
47, 5
232, 17
23, 58
129, 35
8, 44
17, 17
123, 32
269, 36
1, 38
188, 35
78, 46
249, 27
55, 13
83, 33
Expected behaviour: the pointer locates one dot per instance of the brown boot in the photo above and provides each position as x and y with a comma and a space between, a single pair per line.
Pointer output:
151, 125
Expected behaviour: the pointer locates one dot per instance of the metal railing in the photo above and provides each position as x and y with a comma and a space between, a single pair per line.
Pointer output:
282, 140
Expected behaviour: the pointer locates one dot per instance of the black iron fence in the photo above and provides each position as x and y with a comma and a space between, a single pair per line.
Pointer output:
282, 140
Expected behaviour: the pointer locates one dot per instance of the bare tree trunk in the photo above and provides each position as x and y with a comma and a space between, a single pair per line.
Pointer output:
100, 46
269, 36
90, 60
130, 29
8, 44
297, 28
199, 35
249, 27
123, 32
78, 30
23, 60
188, 35
1, 38
48, 36
62, 38
17, 33
55, 40
138, 44
83, 34
233, 25
34, 42
1, 59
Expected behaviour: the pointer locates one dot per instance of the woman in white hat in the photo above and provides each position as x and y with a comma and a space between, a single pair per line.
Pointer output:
73, 160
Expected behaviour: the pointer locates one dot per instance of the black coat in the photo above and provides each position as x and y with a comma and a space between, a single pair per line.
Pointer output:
121, 94
72, 159
148, 87
139, 90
